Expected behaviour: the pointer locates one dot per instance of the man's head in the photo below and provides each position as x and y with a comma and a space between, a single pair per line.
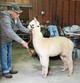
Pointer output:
15, 11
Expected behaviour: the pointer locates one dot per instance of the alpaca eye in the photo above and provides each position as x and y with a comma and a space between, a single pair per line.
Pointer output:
32, 24
37, 26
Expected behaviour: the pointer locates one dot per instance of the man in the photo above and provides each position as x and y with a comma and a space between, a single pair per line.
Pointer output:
9, 24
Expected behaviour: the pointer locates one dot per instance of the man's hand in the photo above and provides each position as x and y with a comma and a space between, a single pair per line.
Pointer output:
25, 44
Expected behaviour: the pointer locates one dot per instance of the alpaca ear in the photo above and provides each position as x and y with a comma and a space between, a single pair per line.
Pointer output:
35, 19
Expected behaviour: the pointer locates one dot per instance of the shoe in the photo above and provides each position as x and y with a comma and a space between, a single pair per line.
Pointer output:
13, 72
7, 75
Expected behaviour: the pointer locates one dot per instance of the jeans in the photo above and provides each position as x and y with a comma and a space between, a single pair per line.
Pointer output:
6, 56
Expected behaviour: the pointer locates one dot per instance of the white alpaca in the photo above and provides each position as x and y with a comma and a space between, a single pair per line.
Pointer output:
46, 47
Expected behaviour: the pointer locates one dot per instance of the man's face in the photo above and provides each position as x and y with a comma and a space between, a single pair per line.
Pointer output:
15, 15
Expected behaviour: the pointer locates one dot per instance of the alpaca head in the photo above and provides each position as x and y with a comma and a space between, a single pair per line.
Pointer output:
34, 24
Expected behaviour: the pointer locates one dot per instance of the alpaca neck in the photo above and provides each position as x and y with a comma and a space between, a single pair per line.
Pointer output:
37, 34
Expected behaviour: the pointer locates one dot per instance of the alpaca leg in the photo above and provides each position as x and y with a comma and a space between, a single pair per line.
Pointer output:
65, 64
45, 63
69, 62
44, 71
70, 66
41, 61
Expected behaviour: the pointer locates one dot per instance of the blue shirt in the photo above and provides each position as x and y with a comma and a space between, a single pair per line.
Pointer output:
53, 30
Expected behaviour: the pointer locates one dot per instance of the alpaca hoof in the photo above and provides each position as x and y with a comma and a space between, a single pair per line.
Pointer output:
69, 75
64, 69
44, 76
